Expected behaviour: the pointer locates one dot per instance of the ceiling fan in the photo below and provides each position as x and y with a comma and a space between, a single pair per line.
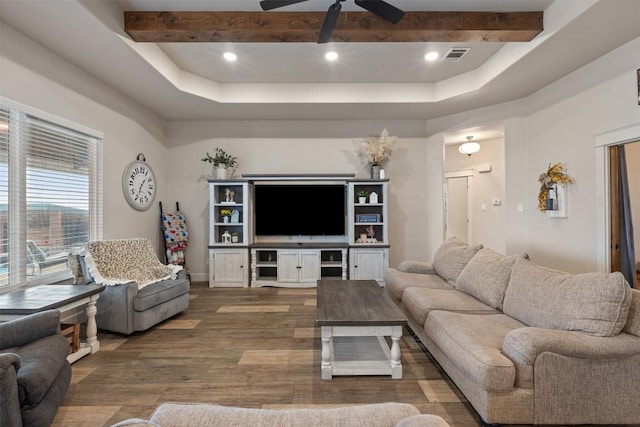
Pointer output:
380, 8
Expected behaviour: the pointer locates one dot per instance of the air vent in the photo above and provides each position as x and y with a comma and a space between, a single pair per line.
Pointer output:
455, 54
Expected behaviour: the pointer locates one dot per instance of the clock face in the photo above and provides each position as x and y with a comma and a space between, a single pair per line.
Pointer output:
139, 185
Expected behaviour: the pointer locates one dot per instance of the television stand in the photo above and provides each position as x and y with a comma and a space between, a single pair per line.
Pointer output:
297, 265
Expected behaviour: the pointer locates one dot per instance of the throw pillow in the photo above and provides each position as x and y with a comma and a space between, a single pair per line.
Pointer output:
486, 276
451, 258
594, 303
76, 269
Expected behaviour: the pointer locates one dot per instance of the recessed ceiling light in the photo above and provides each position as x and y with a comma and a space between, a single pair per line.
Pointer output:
230, 56
431, 56
331, 56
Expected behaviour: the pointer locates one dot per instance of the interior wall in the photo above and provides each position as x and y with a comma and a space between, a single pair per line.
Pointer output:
559, 123
33, 76
488, 219
189, 141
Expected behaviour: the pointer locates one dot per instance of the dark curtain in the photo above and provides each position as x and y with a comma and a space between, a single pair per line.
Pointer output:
627, 253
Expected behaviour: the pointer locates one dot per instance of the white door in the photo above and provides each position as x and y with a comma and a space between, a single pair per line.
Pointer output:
457, 209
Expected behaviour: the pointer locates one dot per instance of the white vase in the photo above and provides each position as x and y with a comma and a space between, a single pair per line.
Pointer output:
362, 200
222, 172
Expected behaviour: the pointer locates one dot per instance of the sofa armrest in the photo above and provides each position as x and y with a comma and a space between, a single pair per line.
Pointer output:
21, 331
523, 345
9, 399
420, 267
115, 308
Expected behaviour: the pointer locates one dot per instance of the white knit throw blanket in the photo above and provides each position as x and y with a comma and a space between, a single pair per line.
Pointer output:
113, 262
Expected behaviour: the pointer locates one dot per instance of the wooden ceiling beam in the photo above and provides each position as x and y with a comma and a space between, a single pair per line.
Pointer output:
301, 27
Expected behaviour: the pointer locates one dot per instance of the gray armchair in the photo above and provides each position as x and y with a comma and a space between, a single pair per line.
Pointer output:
34, 372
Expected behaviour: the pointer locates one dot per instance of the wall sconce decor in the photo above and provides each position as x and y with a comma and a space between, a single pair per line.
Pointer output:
469, 147
552, 195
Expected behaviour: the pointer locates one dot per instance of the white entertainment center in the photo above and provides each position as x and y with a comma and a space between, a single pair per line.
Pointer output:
272, 236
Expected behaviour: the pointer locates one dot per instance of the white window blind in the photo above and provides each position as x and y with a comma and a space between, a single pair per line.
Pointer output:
49, 196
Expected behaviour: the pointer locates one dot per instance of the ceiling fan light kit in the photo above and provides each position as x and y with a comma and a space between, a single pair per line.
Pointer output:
379, 8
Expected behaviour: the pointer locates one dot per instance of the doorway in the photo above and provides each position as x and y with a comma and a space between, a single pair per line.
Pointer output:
624, 210
457, 205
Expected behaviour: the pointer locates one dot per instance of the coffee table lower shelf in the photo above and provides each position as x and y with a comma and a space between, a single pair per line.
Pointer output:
360, 350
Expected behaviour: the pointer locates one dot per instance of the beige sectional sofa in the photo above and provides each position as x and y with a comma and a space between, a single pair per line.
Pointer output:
524, 343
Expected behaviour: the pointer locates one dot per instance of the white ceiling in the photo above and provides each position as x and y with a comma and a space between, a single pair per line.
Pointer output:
292, 81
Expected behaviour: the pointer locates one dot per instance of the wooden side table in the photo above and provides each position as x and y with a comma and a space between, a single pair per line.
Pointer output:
69, 299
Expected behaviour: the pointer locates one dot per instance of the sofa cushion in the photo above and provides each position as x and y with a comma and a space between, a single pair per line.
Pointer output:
451, 258
594, 303
423, 420
473, 343
160, 292
486, 276
397, 281
420, 301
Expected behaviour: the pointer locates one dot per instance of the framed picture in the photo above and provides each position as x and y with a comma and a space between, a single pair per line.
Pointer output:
368, 218
638, 78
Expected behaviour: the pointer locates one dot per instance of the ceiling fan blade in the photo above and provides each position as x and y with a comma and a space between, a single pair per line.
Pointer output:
383, 9
329, 22
275, 4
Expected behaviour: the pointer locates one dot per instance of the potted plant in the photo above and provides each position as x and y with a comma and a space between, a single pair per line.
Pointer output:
225, 214
375, 150
222, 161
362, 196
549, 181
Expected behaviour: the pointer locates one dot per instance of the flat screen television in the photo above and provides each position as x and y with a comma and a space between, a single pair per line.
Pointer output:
300, 210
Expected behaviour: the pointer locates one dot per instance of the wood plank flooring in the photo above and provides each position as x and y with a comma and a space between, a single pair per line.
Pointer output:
255, 348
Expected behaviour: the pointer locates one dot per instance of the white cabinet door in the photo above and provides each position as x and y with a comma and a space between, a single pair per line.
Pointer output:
298, 266
230, 268
368, 264
310, 266
288, 266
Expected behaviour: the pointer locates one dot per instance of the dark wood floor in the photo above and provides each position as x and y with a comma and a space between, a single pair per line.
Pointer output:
255, 348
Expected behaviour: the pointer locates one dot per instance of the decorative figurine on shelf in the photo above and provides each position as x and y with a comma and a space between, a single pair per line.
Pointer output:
228, 196
373, 197
226, 237
235, 216
371, 233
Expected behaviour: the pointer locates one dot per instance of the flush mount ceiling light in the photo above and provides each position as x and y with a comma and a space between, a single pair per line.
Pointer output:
469, 147
331, 55
230, 56
431, 56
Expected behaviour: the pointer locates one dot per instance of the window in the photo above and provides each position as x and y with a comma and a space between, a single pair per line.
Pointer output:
50, 193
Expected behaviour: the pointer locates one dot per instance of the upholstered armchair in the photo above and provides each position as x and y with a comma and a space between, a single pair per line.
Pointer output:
34, 372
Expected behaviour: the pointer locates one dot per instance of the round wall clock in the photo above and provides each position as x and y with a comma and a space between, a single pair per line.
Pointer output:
139, 184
